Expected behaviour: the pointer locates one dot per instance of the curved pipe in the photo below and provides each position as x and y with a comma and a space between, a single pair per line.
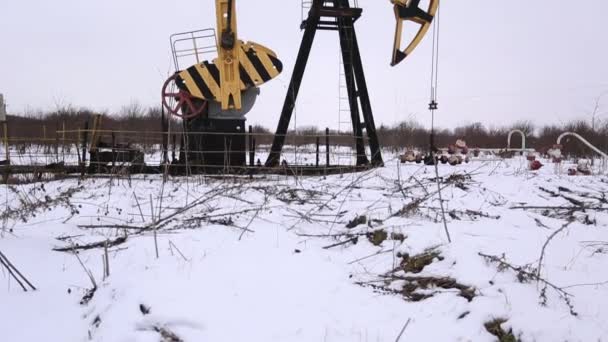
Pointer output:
559, 140
523, 139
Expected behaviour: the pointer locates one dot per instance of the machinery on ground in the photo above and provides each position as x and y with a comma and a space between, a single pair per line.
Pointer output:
107, 155
338, 15
212, 98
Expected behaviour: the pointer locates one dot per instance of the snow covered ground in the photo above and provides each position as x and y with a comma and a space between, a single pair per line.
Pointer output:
358, 257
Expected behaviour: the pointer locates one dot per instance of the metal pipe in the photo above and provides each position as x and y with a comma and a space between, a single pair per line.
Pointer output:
523, 139
494, 150
583, 140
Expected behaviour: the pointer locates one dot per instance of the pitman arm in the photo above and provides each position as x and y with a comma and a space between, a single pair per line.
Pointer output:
228, 55
409, 10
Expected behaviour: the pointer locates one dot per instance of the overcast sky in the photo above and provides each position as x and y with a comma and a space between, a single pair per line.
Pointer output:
500, 61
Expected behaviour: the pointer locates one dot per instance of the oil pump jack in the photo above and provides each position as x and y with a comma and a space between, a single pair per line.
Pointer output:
213, 98
338, 15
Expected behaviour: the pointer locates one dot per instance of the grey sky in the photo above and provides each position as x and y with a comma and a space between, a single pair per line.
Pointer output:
501, 61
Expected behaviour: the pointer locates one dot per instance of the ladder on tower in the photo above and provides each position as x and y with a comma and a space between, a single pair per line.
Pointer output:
345, 124
344, 121
348, 95
332, 15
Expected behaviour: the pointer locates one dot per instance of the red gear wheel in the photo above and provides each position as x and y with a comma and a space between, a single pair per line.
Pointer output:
186, 106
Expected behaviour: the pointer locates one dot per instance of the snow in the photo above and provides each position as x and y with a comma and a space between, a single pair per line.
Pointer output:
246, 262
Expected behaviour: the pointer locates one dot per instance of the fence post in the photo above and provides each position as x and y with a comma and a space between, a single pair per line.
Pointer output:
57, 141
327, 146
165, 137
6, 142
85, 137
318, 143
113, 151
251, 147
253, 151
4, 121
45, 143
56, 147
63, 141
7, 172
173, 148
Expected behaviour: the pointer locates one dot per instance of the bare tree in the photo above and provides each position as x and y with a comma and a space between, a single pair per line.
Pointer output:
595, 113
132, 111
525, 126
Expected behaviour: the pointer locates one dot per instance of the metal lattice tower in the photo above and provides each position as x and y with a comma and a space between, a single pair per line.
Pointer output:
337, 16
306, 5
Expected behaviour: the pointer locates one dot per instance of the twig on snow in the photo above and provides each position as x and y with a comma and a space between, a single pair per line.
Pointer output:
74, 247
15, 273
155, 226
371, 256
354, 240
445, 222
141, 213
403, 329
524, 274
172, 245
542, 253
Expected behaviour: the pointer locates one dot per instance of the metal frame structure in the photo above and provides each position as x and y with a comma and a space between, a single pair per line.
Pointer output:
195, 44
95, 151
333, 15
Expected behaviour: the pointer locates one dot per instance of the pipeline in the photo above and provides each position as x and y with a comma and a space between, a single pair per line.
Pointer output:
604, 155
523, 139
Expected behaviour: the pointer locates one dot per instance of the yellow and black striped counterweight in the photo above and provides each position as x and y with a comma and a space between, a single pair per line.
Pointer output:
258, 65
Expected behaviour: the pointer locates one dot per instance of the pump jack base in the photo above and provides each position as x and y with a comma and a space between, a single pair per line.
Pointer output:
75, 171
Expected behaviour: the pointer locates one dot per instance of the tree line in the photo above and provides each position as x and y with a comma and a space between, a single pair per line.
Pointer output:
406, 134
